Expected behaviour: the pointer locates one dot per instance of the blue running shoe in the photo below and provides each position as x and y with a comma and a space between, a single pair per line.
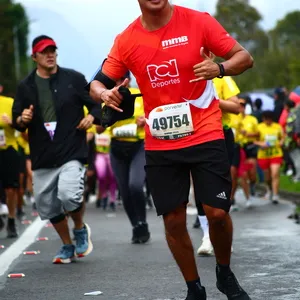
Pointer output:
65, 255
84, 244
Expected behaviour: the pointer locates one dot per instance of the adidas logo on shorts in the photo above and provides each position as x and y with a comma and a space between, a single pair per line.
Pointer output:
222, 196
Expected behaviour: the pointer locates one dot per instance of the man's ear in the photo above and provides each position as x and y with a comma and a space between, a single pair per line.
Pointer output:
33, 56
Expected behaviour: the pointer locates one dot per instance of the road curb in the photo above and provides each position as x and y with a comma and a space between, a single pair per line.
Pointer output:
290, 196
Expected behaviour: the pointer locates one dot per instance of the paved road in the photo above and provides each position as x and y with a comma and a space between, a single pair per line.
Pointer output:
265, 259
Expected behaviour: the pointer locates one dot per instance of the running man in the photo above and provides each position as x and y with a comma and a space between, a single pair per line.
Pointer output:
184, 131
50, 102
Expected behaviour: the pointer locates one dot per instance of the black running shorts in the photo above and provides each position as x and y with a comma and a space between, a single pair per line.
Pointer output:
168, 175
236, 155
251, 150
9, 168
229, 142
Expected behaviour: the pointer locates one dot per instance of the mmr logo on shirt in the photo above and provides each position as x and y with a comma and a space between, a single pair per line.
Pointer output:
164, 74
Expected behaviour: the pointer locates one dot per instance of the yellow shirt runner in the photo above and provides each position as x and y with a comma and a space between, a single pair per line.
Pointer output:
127, 130
226, 88
7, 133
271, 135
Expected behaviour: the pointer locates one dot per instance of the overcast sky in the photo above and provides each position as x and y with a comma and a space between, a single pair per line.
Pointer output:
85, 29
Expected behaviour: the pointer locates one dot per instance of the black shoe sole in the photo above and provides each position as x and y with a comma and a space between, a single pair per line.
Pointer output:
141, 240
241, 297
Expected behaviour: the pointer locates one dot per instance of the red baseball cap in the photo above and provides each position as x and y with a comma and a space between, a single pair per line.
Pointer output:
43, 44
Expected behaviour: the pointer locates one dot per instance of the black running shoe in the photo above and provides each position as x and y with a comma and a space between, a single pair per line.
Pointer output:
199, 294
112, 206
134, 239
20, 214
229, 286
11, 229
141, 234
98, 203
104, 203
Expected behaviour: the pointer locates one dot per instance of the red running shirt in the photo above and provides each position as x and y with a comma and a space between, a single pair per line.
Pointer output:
162, 62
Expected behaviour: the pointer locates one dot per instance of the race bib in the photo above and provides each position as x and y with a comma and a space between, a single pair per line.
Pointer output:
102, 140
50, 127
129, 130
2, 138
170, 122
271, 139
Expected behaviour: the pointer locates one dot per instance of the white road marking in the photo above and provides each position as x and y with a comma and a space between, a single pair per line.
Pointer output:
24, 241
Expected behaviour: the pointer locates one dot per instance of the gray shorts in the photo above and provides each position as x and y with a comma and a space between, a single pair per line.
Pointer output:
58, 190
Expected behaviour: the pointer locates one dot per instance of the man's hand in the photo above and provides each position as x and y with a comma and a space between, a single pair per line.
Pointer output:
207, 69
112, 98
6, 119
27, 115
86, 123
141, 121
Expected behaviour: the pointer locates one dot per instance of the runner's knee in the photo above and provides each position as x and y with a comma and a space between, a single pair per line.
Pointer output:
216, 216
175, 222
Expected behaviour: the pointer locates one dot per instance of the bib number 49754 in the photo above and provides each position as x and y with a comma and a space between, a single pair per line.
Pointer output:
169, 122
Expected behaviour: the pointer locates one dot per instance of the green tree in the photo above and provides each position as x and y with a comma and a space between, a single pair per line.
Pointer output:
285, 41
286, 32
241, 20
13, 44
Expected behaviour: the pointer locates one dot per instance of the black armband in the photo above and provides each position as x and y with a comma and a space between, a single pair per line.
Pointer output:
99, 76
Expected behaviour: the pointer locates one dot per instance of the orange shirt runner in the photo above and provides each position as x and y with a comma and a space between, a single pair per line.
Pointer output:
179, 114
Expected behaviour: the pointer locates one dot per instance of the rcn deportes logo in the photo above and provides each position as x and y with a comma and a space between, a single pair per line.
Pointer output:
165, 74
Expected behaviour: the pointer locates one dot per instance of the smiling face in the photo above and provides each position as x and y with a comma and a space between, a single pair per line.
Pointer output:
153, 6
47, 59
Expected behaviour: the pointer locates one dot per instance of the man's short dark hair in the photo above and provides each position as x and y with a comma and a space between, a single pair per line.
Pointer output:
268, 115
40, 38
258, 103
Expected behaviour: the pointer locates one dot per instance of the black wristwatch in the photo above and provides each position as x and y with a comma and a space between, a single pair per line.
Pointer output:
222, 71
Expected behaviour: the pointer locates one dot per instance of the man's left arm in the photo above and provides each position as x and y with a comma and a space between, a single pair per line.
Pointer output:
219, 42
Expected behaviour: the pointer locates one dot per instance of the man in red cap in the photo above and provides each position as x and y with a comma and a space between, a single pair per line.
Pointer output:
50, 104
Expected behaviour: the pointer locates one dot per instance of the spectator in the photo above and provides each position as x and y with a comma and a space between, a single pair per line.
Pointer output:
280, 98
289, 143
257, 113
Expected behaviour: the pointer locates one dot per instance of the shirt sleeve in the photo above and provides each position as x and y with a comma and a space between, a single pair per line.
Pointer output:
114, 66
230, 89
217, 39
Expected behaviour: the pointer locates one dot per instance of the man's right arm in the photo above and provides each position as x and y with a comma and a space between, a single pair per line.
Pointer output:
97, 88
103, 87
17, 109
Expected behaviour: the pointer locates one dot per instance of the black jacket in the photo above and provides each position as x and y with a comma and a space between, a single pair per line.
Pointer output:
69, 98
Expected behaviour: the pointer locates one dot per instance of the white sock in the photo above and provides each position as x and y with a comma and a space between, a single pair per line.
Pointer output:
204, 226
